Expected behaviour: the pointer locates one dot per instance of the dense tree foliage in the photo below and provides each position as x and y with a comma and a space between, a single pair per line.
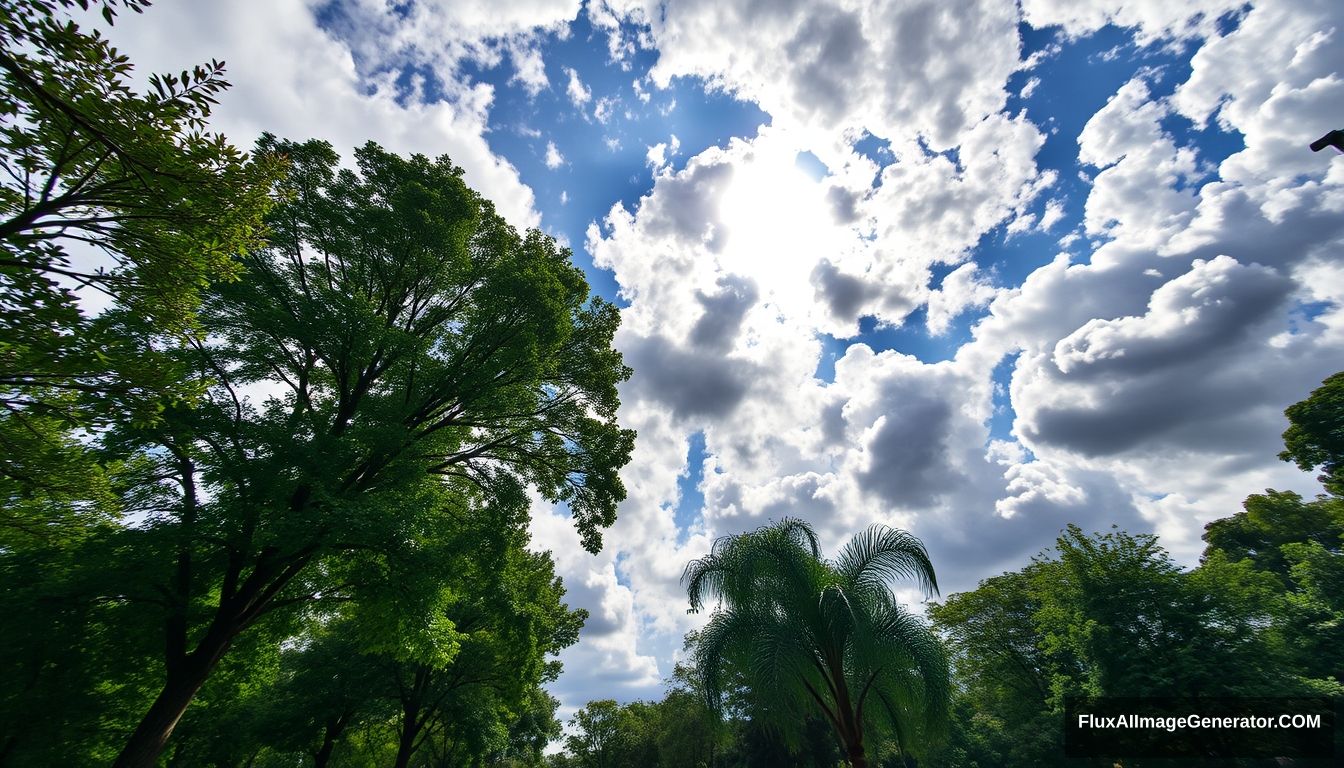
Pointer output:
121, 196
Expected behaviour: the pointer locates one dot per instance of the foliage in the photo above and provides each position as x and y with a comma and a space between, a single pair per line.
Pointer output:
1104, 615
87, 160
424, 361
1315, 436
121, 196
812, 636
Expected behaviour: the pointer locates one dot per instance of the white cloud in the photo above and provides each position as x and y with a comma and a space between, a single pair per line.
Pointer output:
604, 108
642, 94
293, 79
553, 157
529, 69
1150, 19
962, 289
1054, 211
445, 34
660, 154
579, 93
1170, 348
895, 69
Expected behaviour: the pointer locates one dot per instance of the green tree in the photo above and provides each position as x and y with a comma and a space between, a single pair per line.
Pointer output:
506, 607
125, 198
1299, 542
690, 735
155, 206
1001, 707
1315, 436
421, 358
813, 636
1103, 615
88, 160
596, 734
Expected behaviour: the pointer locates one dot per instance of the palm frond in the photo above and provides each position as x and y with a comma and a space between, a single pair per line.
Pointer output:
882, 554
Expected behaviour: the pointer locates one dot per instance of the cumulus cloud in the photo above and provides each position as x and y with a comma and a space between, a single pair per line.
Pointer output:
961, 290
320, 94
1169, 346
443, 35
895, 69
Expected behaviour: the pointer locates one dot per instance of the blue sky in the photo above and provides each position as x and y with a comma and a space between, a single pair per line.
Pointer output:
977, 269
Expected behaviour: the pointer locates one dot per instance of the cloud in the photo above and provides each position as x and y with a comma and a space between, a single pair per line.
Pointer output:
320, 93
1054, 212
445, 35
529, 69
961, 290
1150, 20
553, 157
660, 154
604, 108
579, 93
1133, 382
894, 69
691, 384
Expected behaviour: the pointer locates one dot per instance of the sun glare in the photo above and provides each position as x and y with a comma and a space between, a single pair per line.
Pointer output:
777, 221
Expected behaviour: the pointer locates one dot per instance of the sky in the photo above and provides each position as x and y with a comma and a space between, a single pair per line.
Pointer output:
974, 268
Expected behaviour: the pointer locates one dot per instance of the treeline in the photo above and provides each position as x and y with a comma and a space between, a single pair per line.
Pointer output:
268, 504
1098, 614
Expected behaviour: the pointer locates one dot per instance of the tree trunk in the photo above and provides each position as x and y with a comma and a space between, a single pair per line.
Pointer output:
332, 733
857, 758
406, 744
142, 750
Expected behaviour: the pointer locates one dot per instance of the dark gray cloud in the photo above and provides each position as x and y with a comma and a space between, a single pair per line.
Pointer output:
844, 204
833, 422
1194, 373
909, 462
844, 295
1194, 317
826, 52
972, 544
718, 327
692, 382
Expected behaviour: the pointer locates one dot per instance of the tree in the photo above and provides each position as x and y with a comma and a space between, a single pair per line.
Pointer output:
1315, 436
87, 160
155, 207
596, 734
124, 198
1299, 542
430, 360
1001, 709
691, 736
811, 635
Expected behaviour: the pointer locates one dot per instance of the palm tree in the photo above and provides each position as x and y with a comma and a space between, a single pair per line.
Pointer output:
808, 634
